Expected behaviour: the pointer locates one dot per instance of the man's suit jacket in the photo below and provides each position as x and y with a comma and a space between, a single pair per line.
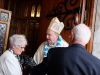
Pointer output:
73, 60
9, 64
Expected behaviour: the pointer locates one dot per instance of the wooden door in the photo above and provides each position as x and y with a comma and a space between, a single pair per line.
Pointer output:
32, 33
66, 11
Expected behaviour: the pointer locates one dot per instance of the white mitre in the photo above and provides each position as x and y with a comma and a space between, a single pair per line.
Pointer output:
56, 25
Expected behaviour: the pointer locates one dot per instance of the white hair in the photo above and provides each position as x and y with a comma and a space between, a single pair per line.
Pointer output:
82, 32
17, 39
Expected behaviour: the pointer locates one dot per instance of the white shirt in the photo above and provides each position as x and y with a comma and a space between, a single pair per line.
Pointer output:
9, 64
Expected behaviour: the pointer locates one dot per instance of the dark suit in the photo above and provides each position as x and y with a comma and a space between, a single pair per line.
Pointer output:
73, 60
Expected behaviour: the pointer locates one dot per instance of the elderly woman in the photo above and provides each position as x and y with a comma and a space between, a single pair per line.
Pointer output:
9, 63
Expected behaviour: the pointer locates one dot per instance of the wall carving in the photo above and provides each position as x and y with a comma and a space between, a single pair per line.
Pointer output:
66, 12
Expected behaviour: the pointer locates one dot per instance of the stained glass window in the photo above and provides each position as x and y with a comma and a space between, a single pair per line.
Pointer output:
33, 11
38, 11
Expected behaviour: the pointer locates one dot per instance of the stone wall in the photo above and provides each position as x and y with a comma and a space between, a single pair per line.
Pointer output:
96, 41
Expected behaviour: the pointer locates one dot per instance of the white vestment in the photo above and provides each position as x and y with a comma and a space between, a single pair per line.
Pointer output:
39, 55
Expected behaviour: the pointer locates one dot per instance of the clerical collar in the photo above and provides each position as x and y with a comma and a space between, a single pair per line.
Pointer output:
52, 45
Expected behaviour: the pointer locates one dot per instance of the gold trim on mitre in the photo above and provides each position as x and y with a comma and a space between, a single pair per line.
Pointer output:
56, 25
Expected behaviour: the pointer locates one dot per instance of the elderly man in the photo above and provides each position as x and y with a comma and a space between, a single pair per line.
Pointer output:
54, 39
72, 60
75, 59
9, 63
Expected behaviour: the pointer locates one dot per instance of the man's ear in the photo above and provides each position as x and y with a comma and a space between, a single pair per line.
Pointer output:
13, 46
72, 38
72, 35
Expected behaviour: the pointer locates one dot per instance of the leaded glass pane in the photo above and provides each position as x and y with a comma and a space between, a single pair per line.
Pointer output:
4, 16
2, 36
